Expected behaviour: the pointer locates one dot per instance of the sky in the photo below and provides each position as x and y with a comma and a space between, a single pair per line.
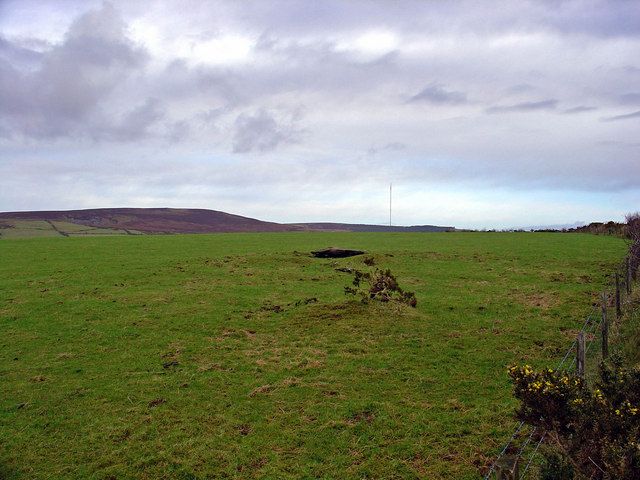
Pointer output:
481, 114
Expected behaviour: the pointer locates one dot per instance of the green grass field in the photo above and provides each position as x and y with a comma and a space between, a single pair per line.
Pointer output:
205, 356
16, 228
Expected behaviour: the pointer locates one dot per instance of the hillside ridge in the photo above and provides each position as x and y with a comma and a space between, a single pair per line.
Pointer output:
186, 220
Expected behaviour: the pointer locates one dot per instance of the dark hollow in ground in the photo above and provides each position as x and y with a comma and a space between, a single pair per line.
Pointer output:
333, 252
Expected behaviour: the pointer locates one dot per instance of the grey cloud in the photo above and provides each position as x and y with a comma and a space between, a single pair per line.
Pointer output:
436, 94
95, 84
389, 147
630, 98
178, 131
524, 107
579, 109
66, 95
520, 88
180, 81
211, 115
616, 143
261, 132
516, 169
136, 123
598, 18
208, 121
318, 66
94, 57
18, 55
14, 94
626, 116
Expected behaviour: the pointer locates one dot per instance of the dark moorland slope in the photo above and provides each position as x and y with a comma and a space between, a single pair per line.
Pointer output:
153, 220
178, 220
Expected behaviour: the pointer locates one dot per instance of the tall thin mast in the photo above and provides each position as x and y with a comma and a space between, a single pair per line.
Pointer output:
390, 186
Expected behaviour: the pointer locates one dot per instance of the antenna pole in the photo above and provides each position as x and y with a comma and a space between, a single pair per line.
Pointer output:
390, 186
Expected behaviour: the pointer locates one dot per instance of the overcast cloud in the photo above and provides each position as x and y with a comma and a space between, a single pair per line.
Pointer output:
522, 113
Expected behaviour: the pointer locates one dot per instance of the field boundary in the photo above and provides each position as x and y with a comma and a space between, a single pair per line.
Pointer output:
595, 330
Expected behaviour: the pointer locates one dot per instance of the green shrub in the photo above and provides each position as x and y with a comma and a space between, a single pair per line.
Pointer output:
379, 285
556, 467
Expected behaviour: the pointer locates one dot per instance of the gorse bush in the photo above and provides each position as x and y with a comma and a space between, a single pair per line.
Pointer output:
595, 430
379, 285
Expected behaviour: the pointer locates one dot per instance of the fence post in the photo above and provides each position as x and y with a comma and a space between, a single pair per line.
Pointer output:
605, 323
580, 355
618, 309
629, 274
508, 468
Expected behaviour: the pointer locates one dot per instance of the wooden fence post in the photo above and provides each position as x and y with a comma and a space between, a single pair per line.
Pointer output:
508, 468
605, 323
618, 309
629, 275
580, 355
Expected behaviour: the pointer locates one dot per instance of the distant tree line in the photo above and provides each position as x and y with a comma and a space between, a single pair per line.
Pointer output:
618, 229
602, 228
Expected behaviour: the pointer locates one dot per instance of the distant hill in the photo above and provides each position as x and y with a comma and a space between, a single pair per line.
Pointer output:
355, 227
151, 220
163, 220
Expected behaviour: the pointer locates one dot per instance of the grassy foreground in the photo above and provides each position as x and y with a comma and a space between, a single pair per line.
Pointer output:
238, 356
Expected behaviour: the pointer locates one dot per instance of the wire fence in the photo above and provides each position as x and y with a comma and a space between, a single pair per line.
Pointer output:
523, 446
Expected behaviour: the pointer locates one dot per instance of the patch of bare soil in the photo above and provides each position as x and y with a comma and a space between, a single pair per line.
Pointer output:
542, 300
333, 252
